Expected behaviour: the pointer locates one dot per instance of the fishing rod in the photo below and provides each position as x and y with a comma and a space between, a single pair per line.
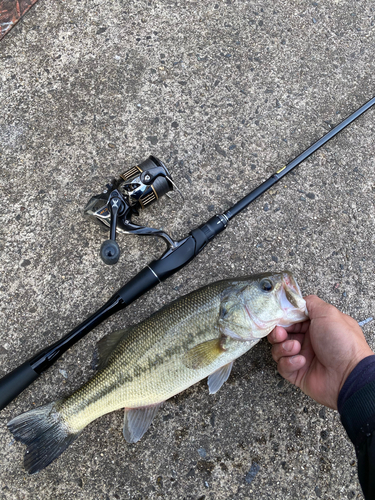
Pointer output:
135, 189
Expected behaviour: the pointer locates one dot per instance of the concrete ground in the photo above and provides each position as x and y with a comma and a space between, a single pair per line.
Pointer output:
225, 93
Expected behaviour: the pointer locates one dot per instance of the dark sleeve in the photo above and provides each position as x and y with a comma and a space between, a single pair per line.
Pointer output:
356, 405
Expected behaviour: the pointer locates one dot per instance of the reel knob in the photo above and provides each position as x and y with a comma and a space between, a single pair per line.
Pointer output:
110, 252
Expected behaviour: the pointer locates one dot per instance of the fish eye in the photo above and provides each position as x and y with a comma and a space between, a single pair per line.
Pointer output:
266, 285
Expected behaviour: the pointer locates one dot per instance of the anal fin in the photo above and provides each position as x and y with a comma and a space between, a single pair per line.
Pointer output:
137, 421
217, 378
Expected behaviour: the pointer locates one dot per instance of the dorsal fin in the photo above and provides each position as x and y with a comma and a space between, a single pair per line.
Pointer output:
106, 346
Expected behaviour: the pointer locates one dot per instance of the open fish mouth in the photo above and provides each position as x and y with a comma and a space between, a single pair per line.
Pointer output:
291, 307
292, 302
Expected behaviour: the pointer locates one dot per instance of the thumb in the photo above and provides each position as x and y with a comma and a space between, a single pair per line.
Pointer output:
317, 308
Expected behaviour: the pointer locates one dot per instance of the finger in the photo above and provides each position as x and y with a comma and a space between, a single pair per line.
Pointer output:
289, 367
278, 334
317, 308
285, 349
298, 327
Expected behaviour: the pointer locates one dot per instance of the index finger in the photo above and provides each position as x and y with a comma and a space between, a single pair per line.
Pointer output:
280, 335
298, 327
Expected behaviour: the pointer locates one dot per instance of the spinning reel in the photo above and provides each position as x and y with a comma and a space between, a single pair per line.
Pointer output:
136, 189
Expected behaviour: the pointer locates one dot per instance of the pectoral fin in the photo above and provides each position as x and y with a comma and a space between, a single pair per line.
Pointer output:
137, 421
217, 379
203, 354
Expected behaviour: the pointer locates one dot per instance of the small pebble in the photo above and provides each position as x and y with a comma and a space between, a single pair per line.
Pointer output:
254, 469
220, 150
63, 373
153, 139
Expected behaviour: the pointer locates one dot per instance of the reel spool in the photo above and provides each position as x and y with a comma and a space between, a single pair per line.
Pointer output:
136, 189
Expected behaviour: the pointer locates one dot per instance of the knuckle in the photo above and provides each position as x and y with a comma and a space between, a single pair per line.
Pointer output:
271, 338
282, 368
332, 310
275, 353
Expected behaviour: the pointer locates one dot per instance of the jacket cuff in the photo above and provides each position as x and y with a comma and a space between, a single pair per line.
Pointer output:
356, 402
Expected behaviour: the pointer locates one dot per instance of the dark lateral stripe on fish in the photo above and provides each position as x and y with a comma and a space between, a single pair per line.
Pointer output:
195, 337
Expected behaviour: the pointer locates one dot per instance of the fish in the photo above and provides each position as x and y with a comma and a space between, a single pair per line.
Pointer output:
140, 367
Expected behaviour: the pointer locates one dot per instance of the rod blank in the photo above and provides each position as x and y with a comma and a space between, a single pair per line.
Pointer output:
245, 202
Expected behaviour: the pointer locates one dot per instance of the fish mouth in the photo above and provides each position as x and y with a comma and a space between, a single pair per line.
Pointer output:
292, 302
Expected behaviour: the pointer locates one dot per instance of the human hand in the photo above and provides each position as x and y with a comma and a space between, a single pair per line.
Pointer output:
318, 355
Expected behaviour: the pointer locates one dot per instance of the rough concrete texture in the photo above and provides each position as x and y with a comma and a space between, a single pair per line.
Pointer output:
225, 93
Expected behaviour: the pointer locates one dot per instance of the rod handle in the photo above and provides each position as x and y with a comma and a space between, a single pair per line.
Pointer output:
12, 384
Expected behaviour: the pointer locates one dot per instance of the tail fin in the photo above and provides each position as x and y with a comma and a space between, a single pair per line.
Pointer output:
45, 434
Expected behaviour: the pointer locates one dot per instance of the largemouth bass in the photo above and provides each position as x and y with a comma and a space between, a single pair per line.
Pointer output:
196, 336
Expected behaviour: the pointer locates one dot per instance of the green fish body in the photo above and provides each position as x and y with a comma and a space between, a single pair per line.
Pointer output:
194, 337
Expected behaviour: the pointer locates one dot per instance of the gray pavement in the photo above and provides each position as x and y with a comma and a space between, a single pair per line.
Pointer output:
224, 93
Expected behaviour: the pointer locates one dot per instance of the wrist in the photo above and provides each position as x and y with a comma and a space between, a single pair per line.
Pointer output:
362, 373
354, 363
356, 402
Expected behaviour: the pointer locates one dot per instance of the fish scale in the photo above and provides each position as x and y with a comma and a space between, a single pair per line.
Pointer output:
142, 369
194, 337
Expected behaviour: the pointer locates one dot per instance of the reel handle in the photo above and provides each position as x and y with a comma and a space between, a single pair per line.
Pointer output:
109, 250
